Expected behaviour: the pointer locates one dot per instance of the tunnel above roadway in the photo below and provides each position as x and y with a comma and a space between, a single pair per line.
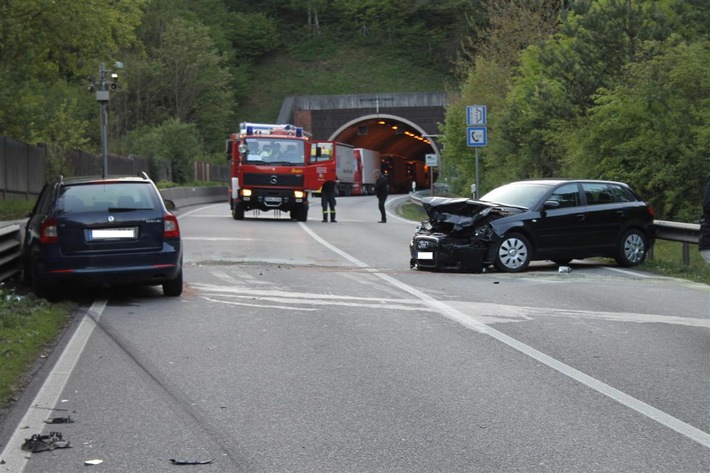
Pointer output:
405, 124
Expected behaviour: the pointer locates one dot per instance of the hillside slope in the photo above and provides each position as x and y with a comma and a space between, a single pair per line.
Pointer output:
332, 69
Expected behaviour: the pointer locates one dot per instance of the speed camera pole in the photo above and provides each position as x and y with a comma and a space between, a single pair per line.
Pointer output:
102, 87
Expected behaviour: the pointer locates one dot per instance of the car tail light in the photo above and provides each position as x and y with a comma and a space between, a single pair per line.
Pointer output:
651, 211
48, 231
171, 228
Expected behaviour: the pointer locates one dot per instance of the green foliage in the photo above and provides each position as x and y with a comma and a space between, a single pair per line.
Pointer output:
668, 260
15, 209
195, 83
28, 326
42, 54
345, 71
652, 130
253, 35
173, 142
619, 92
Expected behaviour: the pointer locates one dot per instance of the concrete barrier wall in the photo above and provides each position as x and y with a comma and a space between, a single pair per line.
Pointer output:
186, 196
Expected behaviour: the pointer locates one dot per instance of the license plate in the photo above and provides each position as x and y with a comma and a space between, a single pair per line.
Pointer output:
112, 233
425, 255
272, 199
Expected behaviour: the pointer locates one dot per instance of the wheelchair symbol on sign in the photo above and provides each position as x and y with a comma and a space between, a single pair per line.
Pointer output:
477, 136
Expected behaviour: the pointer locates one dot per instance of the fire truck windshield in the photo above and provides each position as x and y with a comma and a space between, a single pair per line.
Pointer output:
285, 152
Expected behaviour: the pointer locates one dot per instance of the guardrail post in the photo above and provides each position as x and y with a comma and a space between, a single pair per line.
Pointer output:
686, 254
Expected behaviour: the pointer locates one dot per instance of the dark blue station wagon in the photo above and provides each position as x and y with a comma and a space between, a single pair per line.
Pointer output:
102, 231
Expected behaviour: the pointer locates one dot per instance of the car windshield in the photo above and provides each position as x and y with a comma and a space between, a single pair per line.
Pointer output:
517, 194
283, 152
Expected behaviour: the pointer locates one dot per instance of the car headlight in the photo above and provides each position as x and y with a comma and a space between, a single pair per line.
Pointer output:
246, 192
299, 194
484, 232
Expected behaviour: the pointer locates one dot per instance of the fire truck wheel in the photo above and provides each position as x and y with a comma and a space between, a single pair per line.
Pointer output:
301, 212
238, 212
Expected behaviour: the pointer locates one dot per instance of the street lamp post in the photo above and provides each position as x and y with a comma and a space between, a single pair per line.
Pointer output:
102, 87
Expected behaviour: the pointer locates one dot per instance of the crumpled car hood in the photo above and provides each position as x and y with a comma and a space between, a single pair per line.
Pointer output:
461, 213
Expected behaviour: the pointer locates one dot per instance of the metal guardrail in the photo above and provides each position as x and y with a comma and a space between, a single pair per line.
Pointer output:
10, 250
685, 233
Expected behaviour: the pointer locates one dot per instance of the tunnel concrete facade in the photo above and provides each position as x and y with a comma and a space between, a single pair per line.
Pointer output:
353, 119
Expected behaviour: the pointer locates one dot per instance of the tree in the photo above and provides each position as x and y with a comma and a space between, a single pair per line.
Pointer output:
184, 78
174, 144
489, 66
41, 52
653, 131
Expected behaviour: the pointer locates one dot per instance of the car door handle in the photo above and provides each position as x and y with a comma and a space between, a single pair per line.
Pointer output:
580, 217
620, 213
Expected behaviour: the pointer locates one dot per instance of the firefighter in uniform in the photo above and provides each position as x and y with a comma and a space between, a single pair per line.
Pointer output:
327, 199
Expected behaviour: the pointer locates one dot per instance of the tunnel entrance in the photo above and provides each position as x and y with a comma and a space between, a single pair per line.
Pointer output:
387, 134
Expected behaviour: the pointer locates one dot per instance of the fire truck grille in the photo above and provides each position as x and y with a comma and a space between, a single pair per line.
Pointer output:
275, 180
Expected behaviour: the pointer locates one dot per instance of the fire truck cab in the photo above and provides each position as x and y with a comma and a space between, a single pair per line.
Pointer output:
271, 168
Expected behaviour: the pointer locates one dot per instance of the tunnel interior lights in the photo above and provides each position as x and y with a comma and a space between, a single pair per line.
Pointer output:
403, 131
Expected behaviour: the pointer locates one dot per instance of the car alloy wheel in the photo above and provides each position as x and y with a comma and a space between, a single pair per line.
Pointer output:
632, 249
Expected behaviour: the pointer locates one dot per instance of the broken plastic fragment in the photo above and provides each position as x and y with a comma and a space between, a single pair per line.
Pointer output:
59, 420
43, 443
190, 462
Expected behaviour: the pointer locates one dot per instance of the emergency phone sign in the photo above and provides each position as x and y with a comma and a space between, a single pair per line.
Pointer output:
477, 136
476, 132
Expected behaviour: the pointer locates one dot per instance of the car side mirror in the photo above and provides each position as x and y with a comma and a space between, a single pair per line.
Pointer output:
551, 204
169, 204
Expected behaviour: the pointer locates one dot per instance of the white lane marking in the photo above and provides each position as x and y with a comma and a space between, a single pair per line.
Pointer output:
635, 274
472, 323
233, 295
245, 304
48, 396
486, 312
200, 209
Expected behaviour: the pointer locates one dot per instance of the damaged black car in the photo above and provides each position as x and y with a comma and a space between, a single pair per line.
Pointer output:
549, 219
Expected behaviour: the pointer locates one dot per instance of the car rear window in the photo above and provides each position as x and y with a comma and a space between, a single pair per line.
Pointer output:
103, 196
621, 193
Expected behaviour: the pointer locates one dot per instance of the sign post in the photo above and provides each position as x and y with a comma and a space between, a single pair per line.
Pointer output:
431, 161
476, 134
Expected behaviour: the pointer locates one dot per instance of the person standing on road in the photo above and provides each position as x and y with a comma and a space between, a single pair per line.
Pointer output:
381, 192
704, 242
327, 199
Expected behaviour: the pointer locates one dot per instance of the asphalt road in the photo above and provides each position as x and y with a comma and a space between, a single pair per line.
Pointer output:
313, 347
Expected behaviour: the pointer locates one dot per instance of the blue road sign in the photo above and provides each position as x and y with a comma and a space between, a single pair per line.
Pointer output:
476, 115
477, 136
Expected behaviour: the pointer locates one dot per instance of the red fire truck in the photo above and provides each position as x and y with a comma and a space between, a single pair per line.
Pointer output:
271, 168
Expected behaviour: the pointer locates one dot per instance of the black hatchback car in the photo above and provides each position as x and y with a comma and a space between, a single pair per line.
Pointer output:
551, 219
102, 231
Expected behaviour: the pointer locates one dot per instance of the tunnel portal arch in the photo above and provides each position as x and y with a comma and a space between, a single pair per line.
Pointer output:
368, 120
388, 134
